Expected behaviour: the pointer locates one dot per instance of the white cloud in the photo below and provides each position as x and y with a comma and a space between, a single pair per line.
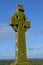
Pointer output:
6, 32
39, 46
35, 32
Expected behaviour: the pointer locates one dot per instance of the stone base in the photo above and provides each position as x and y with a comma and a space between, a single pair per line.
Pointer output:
23, 63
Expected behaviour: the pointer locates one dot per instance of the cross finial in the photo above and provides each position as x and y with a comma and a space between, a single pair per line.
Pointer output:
19, 8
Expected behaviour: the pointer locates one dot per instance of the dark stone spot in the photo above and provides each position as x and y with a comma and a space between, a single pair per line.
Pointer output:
12, 25
16, 25
21, 10
24, 17
24, 26
17, 17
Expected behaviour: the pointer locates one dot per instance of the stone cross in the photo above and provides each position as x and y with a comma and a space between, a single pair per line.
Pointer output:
20, 25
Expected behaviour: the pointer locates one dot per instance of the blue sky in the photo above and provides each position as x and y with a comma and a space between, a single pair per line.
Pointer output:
34, 36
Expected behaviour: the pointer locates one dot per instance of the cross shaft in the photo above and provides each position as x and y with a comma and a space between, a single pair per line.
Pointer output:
20, 24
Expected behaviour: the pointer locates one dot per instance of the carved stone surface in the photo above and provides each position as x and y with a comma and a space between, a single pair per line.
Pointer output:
20, 24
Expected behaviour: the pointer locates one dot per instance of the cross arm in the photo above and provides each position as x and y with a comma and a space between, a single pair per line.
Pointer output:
27, 25
14, 22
